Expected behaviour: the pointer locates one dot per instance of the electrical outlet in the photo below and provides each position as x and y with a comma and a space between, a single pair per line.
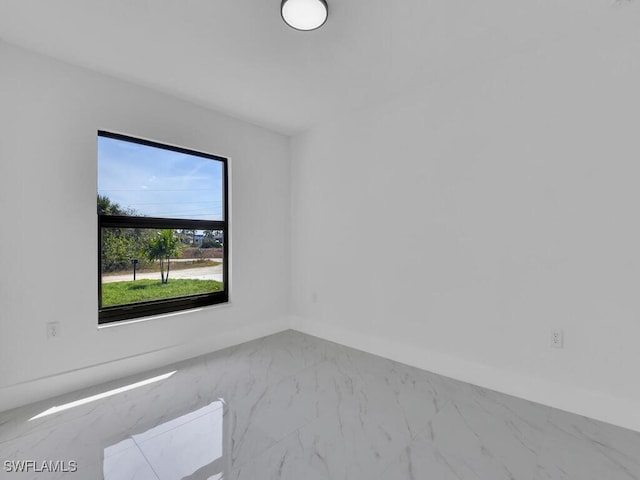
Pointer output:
53, 329
557, 338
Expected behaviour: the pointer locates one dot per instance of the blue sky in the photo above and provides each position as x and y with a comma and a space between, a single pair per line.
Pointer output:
159, 183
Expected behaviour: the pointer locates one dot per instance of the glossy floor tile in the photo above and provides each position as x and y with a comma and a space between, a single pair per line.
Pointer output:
290, 406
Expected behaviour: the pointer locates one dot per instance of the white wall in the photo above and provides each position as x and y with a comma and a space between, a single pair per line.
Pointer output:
49, 115
450, 228
453, 227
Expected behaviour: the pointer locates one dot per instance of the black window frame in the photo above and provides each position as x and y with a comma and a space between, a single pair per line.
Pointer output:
117, 313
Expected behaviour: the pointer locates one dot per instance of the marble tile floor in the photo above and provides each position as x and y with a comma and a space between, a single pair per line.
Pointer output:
291, 406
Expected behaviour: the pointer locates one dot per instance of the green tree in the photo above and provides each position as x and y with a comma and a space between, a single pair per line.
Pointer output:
162, 247
107, 207
120, 245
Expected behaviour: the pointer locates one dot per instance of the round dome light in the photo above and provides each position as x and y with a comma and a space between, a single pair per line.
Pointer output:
304, 14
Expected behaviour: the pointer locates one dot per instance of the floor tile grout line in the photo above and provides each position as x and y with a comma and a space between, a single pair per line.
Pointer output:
146, 459
276, 442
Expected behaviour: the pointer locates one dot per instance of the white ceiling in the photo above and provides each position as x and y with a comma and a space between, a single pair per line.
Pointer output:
238, 57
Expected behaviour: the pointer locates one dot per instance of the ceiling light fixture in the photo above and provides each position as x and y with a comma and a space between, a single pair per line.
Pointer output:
304, 14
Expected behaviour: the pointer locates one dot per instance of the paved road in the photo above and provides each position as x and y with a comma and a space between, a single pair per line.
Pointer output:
200, 273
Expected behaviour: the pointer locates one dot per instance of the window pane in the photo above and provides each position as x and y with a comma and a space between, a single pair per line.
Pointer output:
147, 181
167, 263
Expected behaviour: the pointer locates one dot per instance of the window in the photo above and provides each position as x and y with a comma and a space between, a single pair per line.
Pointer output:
162, 228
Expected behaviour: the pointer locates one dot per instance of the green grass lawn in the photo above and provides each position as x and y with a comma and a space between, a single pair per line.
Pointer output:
121, 293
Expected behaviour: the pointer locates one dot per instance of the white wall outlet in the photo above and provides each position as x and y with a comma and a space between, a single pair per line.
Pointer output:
53, 329
557, 338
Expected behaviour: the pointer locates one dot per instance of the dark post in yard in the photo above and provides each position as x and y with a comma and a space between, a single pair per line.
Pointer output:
135, 264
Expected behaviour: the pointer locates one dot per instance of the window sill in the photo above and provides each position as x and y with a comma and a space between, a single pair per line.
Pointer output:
164, 315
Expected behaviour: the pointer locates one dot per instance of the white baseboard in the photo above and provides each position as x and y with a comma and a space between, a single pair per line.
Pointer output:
593, 404
598, 405
34, 390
